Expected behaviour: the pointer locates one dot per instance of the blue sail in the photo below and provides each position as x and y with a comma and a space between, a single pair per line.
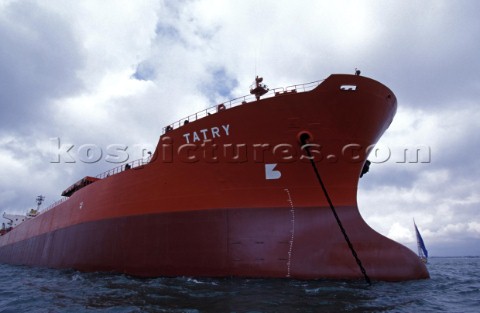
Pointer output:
422, 250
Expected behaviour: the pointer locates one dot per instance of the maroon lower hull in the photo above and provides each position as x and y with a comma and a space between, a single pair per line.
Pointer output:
304, 243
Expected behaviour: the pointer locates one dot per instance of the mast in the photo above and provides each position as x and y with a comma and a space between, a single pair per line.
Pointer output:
258, 88
39, 201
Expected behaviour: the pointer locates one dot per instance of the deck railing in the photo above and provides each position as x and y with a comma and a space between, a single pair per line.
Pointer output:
53, 205
241, 100
110, 172
121, 168
201, 114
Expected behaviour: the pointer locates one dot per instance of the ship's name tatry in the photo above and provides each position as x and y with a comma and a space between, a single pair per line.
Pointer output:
207, 133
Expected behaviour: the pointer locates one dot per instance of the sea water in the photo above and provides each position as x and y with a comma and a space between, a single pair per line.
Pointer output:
454, 286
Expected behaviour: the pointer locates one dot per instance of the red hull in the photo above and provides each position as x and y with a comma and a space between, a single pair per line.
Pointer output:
203, 212
234, 242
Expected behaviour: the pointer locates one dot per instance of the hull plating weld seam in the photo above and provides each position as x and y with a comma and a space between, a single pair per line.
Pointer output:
292, 210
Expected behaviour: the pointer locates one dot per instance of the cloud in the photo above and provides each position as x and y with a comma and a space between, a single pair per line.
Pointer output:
439, 194
39, 57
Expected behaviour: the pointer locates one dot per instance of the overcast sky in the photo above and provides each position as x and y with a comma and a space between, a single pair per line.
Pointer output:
115, 72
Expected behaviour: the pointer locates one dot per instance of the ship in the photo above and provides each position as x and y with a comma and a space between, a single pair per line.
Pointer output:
422, 249
262, 186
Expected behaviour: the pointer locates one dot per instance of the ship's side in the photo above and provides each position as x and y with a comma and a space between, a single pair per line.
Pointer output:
234, 194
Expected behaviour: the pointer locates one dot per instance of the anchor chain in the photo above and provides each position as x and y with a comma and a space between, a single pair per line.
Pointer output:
303, 139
